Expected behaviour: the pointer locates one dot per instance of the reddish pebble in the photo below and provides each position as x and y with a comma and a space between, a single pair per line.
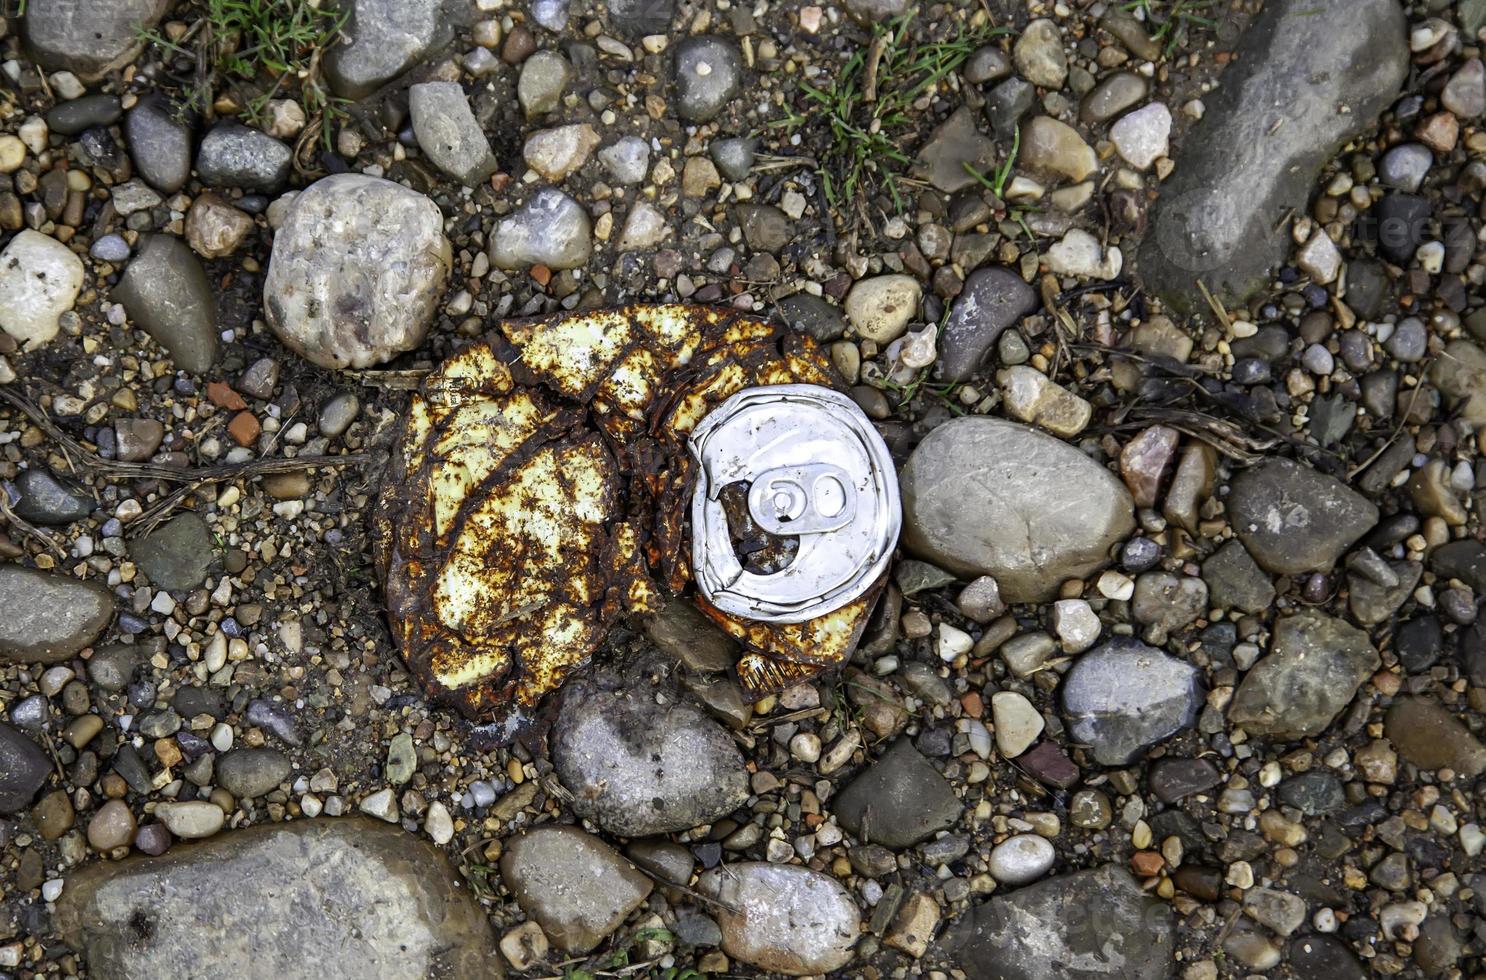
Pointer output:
244, 428
1147, 864
220, 393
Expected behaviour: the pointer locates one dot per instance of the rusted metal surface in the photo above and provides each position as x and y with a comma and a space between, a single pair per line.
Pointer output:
539, 494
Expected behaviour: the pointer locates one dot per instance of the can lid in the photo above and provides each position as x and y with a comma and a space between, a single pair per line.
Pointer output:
820, 486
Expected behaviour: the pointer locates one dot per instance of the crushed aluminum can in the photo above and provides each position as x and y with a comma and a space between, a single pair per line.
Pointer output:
816, 471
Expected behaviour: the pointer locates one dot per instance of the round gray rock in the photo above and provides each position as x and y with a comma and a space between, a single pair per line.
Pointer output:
637, 768
1315, 666
178, 555
49, 618
87, 37
709, 74
384, 38
159, 141
357, 271
983, 496
234, 156
551, 229
1124, 697
246, 773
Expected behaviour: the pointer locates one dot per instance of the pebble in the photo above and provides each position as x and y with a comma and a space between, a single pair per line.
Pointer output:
448, 133
1125, 696
165, 291
627, 159
1039, 56
1142, 137
39, 282
1021, 860
384, 39
112, 826
234, 156
880, 308
551, 229
576, 887
1055, 149
1017, 723
544, 77
709, 74
191, 820
88, 40
783, 918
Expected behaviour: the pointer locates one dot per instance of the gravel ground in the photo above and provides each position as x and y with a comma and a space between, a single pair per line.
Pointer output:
1168, 311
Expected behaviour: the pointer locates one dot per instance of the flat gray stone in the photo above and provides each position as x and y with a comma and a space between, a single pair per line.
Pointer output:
247, 773
178, 555
1307, 77
1314, 668
984, 496
1235, 581
165, 291
49, 618
898, 800
575, 886
385, 39
1294, 519
638, 768
1124, 697
1090, 925
49, 500
355, 897
88, 37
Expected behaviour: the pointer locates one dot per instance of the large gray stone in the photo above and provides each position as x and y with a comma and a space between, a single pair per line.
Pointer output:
165, 291
551, 229
993, 299
24, 766
357, 271
983, 496
385, 39
709, 73
50, 500
1091, 925
783, 918
1293, 519
1315, 666
1308, 76
354, 897
1124, 697
179, 554
898, 800
88, 37
637, 18
575, 886
49, 618
637, 767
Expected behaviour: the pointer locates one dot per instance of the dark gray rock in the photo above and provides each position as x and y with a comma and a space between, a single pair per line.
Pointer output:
71, 118
234, 156
1463, 560
1267, 131
49, 500
448, 132
1431, 737
384, 901
165, 291
637, 767
49, 618
575, 886
159, 137
993, 299
898, 800
1315, 666
1176, 779
1293, 519
112, 667
709, 73
1322, 957
812, 315
638, 18
249, 772
1401, 222
24, 766
1370, 602
1090, 925
983, 496
1124, 697
178, 555
733, 156
1235, 581
1315, 793
679, 630
384, 39
87, 37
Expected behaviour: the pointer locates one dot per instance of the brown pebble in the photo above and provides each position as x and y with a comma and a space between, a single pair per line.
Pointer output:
244, 428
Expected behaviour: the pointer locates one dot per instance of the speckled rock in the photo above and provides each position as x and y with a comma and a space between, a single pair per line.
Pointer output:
1315, 666
993, 299
898, 800
39, 281
1294, 519
783, 918
357, 271
160, 142
178, 555
709, 73
1089, 925
1124, 697
234, 156
380, 903
638, 767
983, 496
385, 39
574, 885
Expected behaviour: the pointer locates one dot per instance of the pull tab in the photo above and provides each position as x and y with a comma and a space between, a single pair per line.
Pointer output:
811, 499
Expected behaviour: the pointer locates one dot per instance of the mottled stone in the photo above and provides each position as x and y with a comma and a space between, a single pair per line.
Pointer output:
49, 618
1293, 519
574, 885
1315, 666
783, 918
1124, 697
